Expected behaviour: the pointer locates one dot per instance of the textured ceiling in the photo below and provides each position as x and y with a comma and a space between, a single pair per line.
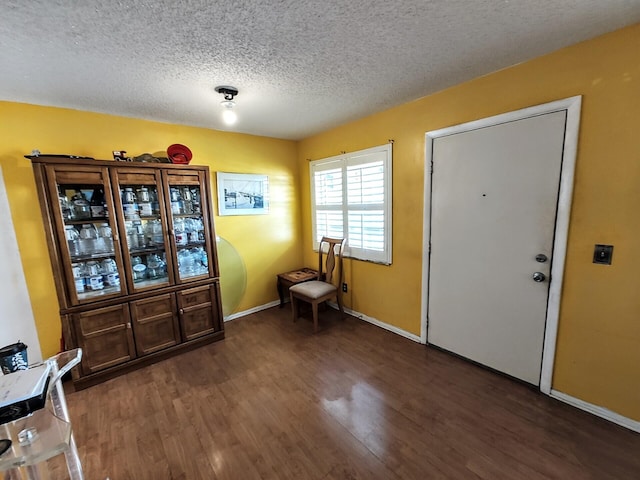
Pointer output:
301, 66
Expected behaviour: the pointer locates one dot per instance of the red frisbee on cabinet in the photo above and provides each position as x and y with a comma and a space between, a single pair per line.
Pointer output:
179, 154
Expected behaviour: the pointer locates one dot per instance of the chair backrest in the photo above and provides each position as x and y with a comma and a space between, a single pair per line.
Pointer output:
333, 259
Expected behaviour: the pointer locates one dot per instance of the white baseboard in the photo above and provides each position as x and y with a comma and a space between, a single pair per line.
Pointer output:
361, 316
598, 411
378, 323
233, 316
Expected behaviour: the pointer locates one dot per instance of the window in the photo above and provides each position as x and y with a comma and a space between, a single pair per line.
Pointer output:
351, 198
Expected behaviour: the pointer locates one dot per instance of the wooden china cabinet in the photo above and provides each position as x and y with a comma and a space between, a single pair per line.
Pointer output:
133, 253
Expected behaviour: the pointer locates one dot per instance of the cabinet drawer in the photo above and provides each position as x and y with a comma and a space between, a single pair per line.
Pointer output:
195, 296
152, 307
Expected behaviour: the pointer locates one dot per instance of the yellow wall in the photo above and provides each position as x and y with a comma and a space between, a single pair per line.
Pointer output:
266, 244
598, 353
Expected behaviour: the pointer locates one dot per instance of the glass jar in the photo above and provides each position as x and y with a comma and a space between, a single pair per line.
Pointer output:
104, 230
79, 276
80, 206
65, 208
185, 263
88, 236
95, 282
88, 231
187, 200
155, 205
195, 199
139, 272
104, 242
108, 265
73, 240
176, 202
180, 232
128, 196
144, 201
154, 266
130, 205
153, 231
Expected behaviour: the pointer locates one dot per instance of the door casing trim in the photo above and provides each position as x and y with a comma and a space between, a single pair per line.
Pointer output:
572, 106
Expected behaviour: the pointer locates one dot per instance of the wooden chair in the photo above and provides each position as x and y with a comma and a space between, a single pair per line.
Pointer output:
323, 289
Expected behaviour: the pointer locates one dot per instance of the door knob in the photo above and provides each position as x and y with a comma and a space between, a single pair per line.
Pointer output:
539, 277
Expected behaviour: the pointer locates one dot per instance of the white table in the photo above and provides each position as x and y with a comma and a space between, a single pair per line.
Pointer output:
50, 429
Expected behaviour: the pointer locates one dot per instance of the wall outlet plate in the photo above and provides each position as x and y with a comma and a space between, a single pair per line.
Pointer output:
603, 254
344, 287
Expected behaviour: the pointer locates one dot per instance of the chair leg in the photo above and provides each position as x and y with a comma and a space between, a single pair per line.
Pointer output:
314, 306
340, 307
294, 307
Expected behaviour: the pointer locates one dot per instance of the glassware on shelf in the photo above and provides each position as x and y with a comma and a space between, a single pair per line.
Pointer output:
195, 230
88, 231
144, 202
139, 232
187, 201
185, 263
130, 205
94, 280
104, 242
94, 276
139, 269
108, 265
156, 267
177, 206
200, 228
153, 232
155, 205
65, 208
192, 262
109, 270
132, 239
80, 206
97, 204
180, 232
135, 234
79, 274
195, 199
73, 240
88, 236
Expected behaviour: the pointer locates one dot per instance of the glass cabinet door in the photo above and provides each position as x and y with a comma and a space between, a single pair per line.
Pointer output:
189, 221
143, 226
91, 258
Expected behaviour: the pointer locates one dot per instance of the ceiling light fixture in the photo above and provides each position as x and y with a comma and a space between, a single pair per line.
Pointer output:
229, 116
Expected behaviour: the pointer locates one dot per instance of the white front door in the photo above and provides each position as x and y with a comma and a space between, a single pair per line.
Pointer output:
494, 196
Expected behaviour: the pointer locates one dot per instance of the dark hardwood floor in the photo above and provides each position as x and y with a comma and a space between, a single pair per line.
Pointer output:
275, 401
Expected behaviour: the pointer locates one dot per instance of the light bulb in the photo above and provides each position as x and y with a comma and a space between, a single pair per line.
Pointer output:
228, 115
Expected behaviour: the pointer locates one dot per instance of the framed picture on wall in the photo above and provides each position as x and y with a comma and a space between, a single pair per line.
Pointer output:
242, 194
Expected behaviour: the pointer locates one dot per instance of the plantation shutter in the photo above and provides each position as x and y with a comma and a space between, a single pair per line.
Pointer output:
351, 198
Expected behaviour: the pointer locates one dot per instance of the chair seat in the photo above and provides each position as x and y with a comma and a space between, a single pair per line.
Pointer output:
313, 289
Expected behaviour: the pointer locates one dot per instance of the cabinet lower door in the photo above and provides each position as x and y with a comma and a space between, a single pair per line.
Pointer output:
155, 323
199, 313
104, 334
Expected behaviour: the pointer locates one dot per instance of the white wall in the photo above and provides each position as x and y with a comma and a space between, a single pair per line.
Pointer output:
16, 316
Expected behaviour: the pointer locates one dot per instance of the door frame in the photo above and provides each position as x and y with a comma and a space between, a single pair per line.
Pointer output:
572, 106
